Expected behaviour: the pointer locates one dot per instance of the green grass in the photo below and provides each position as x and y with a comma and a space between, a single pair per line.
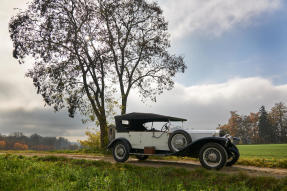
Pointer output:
267, 151
79, 152
57, 174
266, 155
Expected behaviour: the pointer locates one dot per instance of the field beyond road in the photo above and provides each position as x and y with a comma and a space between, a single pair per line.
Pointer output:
268, 151
265, 155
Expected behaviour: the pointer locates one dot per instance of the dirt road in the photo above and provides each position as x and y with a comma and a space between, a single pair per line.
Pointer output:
189, 165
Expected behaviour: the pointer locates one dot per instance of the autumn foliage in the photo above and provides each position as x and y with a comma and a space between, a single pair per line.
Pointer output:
261, 127
2, 144
20, 146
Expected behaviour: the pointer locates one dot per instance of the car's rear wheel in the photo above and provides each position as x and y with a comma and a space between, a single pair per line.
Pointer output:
121, 151
142, 157
178, 140
213, 156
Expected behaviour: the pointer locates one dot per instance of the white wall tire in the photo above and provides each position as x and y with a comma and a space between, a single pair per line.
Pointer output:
121, 151
213, 156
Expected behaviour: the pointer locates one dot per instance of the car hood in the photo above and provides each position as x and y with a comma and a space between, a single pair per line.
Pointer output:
192, 131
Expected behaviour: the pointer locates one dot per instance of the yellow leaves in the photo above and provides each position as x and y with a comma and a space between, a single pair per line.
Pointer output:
92, 117
93, 142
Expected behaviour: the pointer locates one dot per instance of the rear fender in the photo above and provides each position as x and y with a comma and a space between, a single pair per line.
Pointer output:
118, 139
193, 149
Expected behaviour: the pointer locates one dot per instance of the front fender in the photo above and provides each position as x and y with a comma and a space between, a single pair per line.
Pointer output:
232, 149
118, 139
193, 149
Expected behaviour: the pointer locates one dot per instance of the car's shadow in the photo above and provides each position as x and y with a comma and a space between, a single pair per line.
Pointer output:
180, 164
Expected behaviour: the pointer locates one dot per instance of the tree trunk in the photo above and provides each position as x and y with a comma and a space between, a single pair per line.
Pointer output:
124, 104
104, 132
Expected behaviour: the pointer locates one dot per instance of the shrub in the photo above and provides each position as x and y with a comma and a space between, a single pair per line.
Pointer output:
94, 141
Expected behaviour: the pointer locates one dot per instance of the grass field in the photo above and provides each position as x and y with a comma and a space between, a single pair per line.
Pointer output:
57, 174
269, 155
270, 151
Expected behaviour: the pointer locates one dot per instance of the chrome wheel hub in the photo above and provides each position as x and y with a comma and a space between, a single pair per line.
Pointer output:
120, 151
212, 157
178, 142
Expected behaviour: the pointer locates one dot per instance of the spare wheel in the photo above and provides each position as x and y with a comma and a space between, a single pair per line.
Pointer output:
178, 140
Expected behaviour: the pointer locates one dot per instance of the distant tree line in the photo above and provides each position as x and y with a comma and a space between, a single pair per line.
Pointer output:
261, 127
18, 141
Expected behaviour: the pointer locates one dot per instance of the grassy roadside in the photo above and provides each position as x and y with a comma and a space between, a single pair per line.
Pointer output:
58, 173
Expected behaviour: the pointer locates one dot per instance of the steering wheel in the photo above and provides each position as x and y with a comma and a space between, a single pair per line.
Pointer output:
165, 127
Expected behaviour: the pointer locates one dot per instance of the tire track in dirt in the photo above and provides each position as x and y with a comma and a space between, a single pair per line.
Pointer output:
189, 165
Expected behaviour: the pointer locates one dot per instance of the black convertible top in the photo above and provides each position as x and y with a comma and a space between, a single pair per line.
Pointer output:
136, 120
147, 117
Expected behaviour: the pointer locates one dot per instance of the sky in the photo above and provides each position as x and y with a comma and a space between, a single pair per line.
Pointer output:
235, 52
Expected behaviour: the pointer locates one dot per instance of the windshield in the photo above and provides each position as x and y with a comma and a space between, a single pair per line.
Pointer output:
158, 126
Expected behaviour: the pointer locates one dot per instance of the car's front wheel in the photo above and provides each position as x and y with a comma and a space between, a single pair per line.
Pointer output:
142, 157
213, 156
121, 151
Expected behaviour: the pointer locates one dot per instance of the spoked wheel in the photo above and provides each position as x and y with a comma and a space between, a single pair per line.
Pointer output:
121, 151
178, 140
142, 157
213, 156
233, 158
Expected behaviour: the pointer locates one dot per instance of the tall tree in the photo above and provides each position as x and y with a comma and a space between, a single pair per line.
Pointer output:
84, 50
254, 134
139, 41
234, 123
245, 127
264, 125
278, 118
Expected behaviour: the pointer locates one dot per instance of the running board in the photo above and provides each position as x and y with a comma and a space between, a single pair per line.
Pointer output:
168, 154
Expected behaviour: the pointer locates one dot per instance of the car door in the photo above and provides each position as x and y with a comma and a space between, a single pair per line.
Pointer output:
134, 138
154, 137
159, 140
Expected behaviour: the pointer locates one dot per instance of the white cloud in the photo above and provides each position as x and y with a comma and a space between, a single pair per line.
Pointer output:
206, 106
213, 16
19, 93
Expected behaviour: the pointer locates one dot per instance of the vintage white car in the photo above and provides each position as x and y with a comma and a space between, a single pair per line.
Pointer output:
136, 134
